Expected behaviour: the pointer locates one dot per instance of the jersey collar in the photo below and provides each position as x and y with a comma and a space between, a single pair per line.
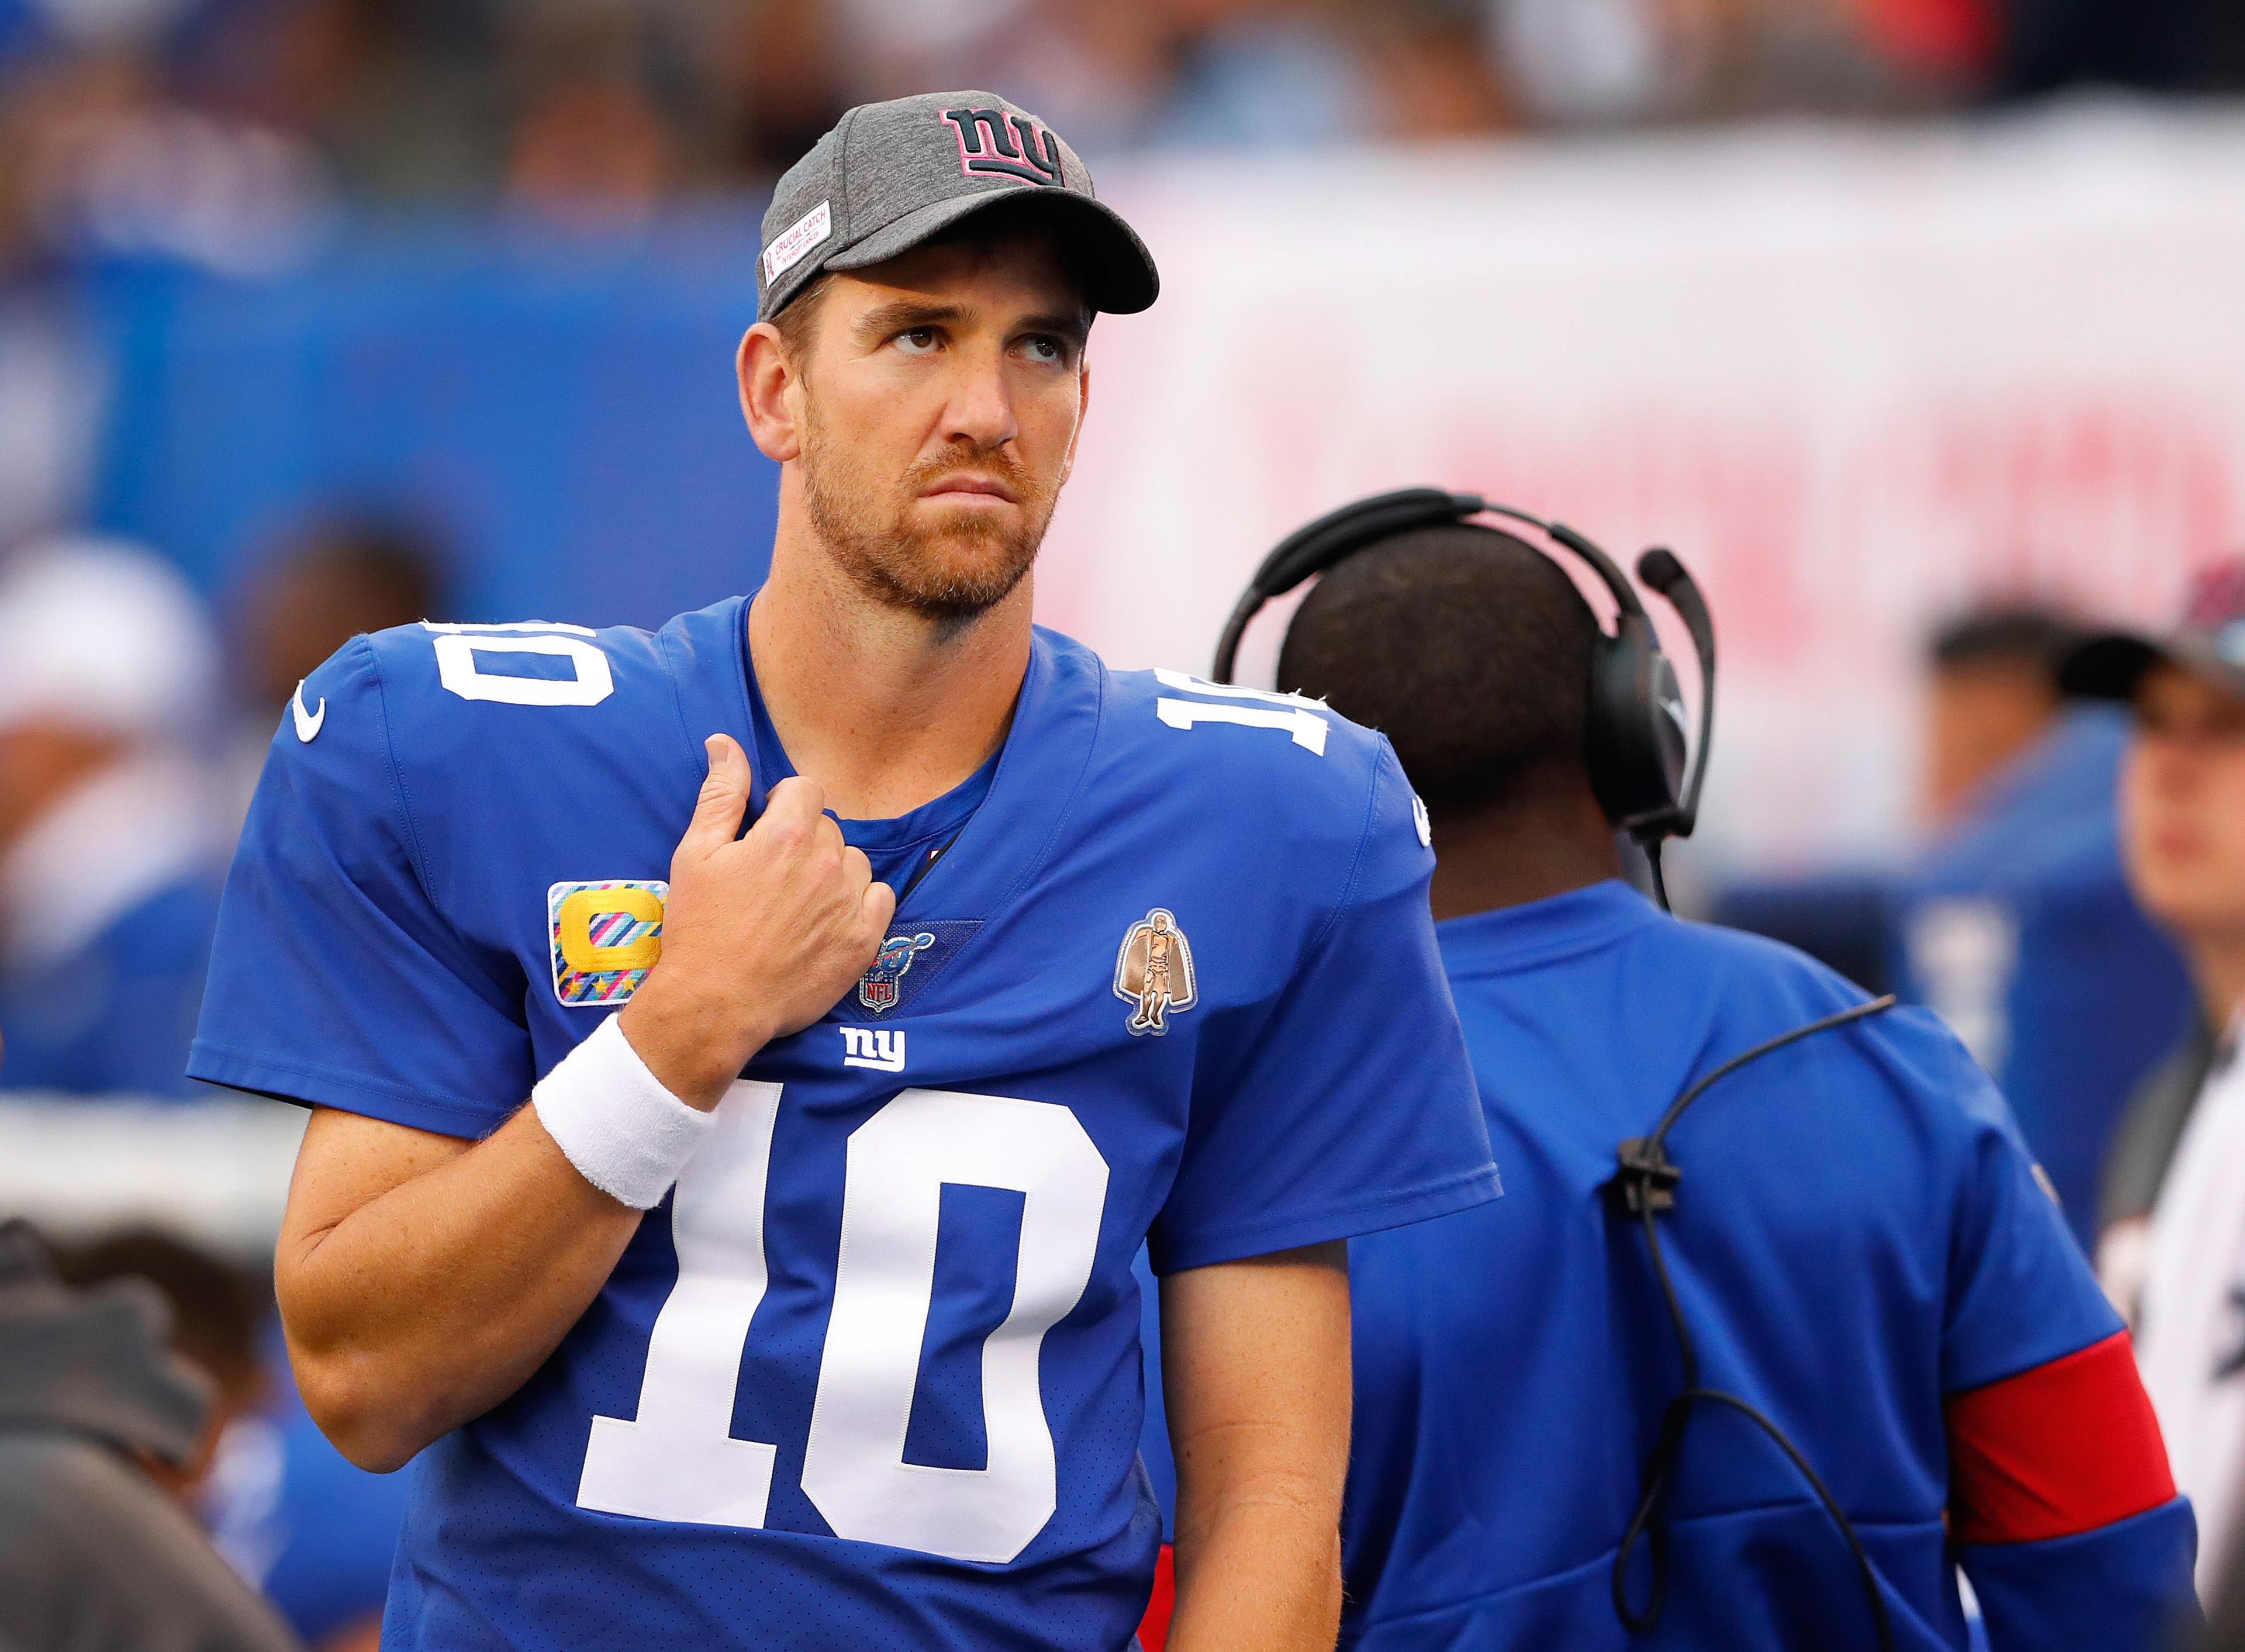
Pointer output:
1040, 767
1539, 933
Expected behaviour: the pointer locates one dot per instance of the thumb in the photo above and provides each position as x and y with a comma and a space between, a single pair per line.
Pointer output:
878, 906
724, 800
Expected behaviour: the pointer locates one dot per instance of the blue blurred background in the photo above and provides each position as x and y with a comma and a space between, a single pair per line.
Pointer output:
554, 409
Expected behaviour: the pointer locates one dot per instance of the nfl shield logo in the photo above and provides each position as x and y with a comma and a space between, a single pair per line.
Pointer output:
877, 988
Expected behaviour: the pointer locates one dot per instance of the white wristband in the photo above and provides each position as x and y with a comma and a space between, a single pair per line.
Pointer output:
627, 1135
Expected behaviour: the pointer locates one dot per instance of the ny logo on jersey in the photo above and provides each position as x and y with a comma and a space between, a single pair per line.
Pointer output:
879, 1047
997, 142
877, 988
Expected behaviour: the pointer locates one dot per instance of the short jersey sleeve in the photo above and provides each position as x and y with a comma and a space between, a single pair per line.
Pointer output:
2020, 1293
1351, 1108
335, 981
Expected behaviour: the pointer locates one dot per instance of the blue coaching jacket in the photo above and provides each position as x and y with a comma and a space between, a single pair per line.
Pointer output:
1864, 1253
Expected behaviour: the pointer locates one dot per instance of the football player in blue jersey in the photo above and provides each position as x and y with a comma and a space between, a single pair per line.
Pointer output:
795, 1309
1566, 1437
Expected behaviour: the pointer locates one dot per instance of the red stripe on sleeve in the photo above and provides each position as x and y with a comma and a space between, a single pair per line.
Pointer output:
2065, 1447
1154, 1628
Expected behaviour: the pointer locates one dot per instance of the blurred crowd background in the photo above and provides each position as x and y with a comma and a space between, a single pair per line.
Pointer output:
214, 127
322, 315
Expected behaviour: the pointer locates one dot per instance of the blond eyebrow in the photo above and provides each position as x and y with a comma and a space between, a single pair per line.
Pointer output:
1072, 325
901, 315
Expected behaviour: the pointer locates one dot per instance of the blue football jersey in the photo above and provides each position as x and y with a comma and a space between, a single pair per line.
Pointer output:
870, 1375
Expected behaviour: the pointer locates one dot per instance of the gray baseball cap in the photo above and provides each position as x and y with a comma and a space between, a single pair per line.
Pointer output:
891, 175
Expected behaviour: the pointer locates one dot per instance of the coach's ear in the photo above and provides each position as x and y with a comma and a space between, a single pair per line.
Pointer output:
767, 377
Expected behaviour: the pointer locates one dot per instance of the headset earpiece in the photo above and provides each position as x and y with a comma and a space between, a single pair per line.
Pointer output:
1638, 751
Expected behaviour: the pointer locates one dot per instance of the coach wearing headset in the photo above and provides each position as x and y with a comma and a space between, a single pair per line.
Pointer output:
1896, 1361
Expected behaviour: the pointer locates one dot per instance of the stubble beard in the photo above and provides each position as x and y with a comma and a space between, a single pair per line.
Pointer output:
950, 575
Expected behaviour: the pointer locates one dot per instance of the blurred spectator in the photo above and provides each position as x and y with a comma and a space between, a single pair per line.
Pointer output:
593, 144
95, 1555
1992, 693
107, 859
214, 1314
2199, 898
50, 397
1601, 60
2144, 1141
779, 88
2016, 924
98, 155
1252, 73
1581, 61
2184, 792
293, 1516
347, 573
344, 574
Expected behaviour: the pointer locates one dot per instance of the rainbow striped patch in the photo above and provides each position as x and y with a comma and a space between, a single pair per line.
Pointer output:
606, 936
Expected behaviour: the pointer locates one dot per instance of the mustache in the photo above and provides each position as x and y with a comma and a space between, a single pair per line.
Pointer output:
998, 462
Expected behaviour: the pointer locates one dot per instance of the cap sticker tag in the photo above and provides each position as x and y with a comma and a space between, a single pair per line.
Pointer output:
790, 247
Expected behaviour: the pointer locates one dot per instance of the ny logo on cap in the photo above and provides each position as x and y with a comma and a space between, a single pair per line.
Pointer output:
997, 142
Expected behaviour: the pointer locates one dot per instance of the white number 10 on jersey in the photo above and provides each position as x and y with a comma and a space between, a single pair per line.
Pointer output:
677, 1458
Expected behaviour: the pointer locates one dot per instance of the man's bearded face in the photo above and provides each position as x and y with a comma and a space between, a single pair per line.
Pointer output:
940, 400
945, 562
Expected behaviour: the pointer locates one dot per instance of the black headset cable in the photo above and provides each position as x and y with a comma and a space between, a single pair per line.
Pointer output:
1647, 1186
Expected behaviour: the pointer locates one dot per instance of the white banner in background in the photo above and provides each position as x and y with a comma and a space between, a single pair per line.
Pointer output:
1855, 377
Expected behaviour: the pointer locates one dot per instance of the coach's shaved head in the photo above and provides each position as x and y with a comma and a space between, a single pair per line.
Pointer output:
1467, 648
1471, 651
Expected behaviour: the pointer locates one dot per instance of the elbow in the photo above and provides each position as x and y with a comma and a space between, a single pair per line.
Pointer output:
363, 1417
367, 1398
376, 1451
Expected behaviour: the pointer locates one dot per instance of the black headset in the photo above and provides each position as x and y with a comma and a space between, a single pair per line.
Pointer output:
1637, 755
1638, 751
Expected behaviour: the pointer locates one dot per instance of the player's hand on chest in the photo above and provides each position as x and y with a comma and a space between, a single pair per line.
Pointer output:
761, 932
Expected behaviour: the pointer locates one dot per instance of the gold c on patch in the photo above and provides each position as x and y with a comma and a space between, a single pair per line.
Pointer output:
1154, 971
606, 936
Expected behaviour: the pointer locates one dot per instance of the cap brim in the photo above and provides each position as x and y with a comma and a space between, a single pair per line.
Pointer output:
2107, 667
2111, 666
1117, 272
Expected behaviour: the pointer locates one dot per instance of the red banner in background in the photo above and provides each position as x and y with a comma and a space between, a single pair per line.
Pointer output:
1855, 379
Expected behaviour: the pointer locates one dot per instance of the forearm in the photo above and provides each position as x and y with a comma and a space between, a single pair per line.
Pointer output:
1262, 1570
431, 1302
1255, 1358
422, 1279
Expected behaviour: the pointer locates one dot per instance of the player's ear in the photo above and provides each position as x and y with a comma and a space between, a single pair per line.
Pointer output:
767, 377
